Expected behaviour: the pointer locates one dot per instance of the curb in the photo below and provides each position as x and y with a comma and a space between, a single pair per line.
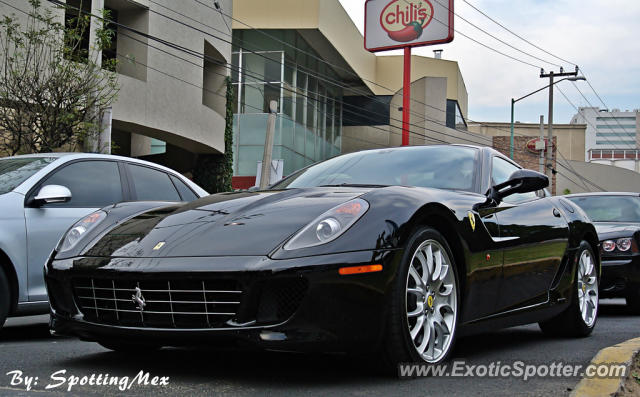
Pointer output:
620, 353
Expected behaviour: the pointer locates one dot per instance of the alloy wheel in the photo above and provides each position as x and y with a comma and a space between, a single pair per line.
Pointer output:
431, 301
587, 288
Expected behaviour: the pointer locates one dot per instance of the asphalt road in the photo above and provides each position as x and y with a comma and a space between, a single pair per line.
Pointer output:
25, 345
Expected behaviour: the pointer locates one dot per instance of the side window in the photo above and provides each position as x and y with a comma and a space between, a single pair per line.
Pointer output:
152, 185
501, 170
184, 190
93, 184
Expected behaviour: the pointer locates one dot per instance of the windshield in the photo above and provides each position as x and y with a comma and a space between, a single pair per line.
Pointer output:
444, 167
14, 171
610, 208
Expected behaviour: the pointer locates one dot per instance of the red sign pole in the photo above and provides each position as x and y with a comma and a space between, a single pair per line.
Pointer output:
406, 96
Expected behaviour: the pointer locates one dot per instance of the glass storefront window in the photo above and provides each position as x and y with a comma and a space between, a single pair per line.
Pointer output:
310, 114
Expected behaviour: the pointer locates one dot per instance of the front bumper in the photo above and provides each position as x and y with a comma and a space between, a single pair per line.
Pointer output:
331, 312
619, 274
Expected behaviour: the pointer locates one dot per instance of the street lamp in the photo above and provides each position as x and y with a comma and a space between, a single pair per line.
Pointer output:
513, 102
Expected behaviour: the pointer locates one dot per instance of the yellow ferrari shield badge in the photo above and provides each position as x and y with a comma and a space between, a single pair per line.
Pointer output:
472, 220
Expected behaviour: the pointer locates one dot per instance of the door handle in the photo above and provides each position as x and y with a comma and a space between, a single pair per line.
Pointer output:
556, 213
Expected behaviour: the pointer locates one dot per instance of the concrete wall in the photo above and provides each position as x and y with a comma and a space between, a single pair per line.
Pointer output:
150, 102
607, 177
570, 137
168, 109
428, 121
389, 74
382, 75
365, 137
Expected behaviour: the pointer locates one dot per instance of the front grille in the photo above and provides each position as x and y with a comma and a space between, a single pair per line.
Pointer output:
186, 304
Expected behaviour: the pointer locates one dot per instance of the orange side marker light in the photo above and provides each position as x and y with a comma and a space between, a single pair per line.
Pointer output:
360, 269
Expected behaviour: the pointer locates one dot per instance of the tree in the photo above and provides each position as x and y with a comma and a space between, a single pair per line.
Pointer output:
215, 172
53, 87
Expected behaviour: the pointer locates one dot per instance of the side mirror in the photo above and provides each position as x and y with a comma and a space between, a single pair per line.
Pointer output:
521, 181
51, 194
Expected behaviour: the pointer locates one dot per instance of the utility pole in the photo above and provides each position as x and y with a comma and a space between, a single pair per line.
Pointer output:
542, 146
551, 75
265, 173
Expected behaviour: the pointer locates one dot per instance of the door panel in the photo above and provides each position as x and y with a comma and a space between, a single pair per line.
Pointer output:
484, 274
93, 185
45, 227
534, 241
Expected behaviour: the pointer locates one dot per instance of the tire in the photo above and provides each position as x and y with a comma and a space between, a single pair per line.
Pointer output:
5, 297
633, 299
129, 348
579, 319
414, 303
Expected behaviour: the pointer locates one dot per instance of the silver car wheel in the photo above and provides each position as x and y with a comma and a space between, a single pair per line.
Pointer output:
431, 301
587, 288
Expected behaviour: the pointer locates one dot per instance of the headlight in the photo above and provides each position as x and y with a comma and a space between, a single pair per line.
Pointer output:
608, 245
624, 244
329, 226
80, 229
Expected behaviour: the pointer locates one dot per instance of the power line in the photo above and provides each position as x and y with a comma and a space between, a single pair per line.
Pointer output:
549, 53
304, 69
580, 112
517, 35
311, 100
195, 53
604, 119
601, 101
498, 39
201, 55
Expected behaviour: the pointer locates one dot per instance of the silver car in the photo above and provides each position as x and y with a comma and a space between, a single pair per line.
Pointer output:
41, 196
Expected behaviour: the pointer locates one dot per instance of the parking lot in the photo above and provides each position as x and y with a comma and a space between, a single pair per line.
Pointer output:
26, 346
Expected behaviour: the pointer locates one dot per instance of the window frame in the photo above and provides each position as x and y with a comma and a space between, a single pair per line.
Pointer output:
131, 184
29, 197
172, 177
538, 193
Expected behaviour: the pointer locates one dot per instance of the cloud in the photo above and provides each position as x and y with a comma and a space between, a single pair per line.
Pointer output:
601, 37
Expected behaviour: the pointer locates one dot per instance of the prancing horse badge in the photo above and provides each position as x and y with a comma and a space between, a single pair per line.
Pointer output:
472, 220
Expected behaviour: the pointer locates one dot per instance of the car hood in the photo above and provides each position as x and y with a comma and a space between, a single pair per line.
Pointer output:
615, 229
226, 224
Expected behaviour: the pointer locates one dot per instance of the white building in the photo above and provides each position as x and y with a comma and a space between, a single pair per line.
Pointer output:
169, 111
611, 137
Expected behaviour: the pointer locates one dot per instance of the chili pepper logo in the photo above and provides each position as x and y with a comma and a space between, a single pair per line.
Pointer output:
405, 20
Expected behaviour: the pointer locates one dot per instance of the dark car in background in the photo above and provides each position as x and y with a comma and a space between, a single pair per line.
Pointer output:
616, 217
395, 251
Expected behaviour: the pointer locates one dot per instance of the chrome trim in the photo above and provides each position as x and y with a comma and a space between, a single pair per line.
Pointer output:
503, 239
97, 297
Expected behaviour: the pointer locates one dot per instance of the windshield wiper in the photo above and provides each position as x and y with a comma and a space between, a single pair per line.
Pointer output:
354, 185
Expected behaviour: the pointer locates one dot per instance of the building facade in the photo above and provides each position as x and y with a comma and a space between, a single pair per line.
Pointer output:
611, 137
334, 96
171, 106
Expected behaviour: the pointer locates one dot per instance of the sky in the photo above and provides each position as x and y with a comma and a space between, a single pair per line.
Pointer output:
602, 37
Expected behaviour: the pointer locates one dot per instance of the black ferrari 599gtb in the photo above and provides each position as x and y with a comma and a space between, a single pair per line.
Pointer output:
397, 251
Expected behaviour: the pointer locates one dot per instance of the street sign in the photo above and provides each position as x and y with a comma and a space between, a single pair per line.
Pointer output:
393, 24
536, 144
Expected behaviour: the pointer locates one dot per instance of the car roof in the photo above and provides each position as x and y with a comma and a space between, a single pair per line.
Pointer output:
602, 194
62, 158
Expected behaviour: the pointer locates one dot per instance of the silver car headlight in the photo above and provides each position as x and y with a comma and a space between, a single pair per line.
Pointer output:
328, 226
624, 244
79, 229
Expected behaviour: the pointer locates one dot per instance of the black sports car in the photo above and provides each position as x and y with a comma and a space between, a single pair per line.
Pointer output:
616, 217
396, 251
